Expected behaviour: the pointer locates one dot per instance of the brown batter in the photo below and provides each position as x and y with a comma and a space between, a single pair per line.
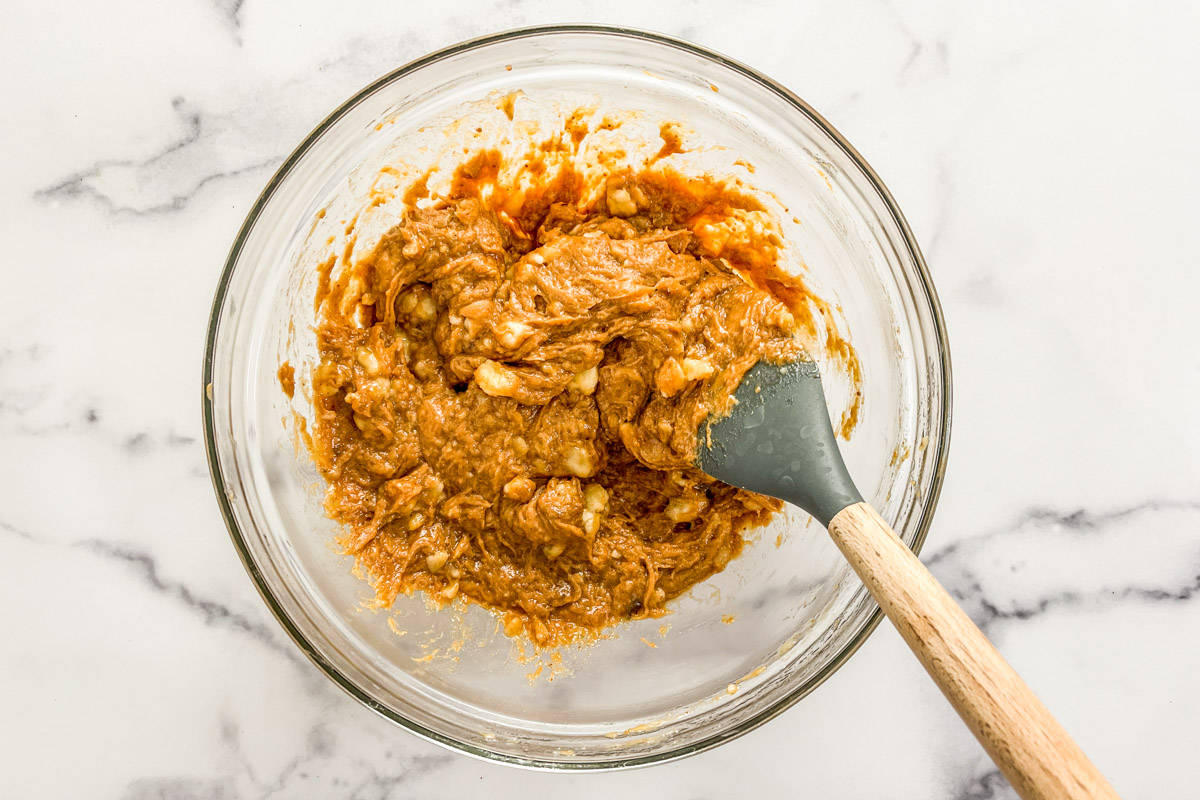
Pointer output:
510, 387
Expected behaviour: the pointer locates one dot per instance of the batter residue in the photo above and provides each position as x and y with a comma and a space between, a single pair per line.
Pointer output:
510, 387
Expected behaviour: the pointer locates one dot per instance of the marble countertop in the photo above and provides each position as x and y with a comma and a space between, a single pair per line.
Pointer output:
1048, 161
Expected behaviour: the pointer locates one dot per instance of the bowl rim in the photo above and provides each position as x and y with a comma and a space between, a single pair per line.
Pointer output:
219, 483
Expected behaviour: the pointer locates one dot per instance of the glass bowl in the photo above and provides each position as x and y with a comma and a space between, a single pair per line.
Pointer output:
736, 650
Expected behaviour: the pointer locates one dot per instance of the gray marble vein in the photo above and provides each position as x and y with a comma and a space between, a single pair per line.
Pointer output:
180, 789
231, 13
13, 530
957, 564
210, 611
991, 785
152, 184
319, 768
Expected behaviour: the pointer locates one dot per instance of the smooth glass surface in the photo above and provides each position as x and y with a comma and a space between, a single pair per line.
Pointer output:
797, 610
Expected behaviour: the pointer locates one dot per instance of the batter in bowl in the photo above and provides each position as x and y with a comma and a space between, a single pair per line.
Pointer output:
510, 386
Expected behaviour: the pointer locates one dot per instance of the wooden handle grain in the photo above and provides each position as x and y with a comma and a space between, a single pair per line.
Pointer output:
1028, 745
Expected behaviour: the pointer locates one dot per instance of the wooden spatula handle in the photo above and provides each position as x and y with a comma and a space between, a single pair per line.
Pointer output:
1028, 745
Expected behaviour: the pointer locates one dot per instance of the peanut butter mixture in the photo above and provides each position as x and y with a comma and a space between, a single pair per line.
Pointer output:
511, 386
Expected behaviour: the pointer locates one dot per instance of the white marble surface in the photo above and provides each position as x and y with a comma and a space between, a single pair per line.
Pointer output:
1048, 159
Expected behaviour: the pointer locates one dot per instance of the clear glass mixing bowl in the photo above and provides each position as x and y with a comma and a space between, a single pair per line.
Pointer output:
739, 648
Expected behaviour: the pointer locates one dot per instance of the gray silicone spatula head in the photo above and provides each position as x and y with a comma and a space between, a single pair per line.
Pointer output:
778, 441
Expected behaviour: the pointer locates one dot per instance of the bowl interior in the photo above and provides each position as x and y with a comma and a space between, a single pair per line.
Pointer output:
734, 650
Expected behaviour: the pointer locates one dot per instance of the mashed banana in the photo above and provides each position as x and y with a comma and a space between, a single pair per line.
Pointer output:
510, 388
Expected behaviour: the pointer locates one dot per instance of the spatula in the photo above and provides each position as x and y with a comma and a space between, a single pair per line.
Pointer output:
778, 441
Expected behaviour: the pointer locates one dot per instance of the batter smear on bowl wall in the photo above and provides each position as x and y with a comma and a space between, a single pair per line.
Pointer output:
511, 382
